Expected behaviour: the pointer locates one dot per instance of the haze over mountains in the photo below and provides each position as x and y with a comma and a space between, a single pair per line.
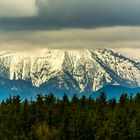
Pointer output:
71, 70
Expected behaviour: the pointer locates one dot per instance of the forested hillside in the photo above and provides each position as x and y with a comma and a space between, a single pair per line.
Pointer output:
78, 119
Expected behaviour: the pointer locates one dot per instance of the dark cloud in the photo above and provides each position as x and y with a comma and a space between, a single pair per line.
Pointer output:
58, 14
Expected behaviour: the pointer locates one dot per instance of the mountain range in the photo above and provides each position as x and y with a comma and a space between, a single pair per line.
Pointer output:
84, 71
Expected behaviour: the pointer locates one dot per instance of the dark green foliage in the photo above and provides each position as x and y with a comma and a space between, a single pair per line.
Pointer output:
76, 119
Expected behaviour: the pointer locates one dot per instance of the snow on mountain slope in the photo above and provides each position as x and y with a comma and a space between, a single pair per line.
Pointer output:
78, 70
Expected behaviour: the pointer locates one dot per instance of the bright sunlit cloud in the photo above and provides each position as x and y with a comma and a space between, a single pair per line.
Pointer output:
17, 8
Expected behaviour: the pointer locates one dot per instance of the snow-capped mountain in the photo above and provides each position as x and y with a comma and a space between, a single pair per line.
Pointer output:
79, 70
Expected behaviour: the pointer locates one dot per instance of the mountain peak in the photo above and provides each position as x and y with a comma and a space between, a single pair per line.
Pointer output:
78, 70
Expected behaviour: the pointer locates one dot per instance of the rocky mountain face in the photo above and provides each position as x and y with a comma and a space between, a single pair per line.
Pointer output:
79, 70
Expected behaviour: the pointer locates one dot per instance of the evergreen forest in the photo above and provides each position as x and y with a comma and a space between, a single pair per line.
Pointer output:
48, 118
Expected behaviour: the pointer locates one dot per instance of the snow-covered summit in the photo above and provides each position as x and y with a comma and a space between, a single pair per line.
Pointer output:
81, 70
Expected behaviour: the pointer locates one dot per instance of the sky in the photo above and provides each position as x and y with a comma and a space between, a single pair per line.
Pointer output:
30, 25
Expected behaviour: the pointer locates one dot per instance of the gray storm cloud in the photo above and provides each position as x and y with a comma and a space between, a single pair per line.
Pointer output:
90, 12
89, 8
58, 14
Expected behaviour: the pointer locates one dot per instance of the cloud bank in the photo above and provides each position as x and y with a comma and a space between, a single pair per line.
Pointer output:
70, 24
119, 38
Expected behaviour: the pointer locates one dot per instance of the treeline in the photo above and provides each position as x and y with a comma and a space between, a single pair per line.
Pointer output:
48, 118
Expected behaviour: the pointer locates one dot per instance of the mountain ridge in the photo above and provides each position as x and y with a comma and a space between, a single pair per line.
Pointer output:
74, 70
114, 91
10, 88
